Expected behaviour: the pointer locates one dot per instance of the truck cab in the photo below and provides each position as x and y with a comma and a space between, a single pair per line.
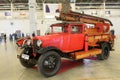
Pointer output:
63, 36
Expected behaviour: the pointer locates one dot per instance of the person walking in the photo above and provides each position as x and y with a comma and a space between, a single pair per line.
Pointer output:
10, 37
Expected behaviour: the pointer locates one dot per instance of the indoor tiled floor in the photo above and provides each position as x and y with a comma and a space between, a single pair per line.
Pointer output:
11, 69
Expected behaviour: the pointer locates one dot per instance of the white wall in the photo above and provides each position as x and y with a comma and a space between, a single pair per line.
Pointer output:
11, 25
101, 12
43, 25
116, 24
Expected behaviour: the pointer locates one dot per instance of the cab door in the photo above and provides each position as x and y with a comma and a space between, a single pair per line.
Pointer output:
76, 38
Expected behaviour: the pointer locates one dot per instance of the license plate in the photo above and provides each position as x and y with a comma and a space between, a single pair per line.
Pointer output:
24, 56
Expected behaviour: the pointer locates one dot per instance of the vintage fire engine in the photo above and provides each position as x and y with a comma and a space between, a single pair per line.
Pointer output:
79, 36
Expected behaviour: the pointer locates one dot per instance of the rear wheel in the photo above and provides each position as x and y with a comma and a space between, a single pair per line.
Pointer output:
105, 52
80, 60
49, 63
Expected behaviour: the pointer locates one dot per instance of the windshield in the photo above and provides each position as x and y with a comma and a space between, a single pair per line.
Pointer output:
59, 29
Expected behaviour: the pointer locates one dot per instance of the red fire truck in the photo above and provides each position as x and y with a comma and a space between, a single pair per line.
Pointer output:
79, 36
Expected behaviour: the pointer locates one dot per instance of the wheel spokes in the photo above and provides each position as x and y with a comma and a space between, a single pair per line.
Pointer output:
50, 63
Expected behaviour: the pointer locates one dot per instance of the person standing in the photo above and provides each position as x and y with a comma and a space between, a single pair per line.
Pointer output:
23, 35
15, 36
10, 37
33, 34
5, 38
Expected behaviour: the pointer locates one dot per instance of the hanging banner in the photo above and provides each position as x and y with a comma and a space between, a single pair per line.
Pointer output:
7, 13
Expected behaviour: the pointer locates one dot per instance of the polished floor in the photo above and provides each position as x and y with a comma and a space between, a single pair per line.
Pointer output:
91, 69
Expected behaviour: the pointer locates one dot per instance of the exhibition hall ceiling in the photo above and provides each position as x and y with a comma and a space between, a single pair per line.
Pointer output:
14, 1
51, 1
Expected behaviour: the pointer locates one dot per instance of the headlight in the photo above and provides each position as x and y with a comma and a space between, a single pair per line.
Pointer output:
39, 42
28, 42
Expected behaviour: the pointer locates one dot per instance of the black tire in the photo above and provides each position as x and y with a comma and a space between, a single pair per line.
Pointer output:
49, 63
105, 52
80, 60
27, 63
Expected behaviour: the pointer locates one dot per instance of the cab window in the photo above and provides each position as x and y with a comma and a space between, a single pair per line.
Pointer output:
76, 29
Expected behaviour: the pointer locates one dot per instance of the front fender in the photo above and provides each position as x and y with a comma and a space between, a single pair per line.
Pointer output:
46, 49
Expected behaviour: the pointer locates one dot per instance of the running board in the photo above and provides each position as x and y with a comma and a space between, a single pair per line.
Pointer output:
85, 54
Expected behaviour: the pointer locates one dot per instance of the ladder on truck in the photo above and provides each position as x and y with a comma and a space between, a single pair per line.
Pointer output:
80, 17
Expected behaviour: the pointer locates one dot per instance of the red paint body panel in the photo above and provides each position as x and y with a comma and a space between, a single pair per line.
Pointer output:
76, 42
66, 42
56, 40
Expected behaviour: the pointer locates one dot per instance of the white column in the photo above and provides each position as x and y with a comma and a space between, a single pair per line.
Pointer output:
32, 16
43, 5
11, 5
104, 7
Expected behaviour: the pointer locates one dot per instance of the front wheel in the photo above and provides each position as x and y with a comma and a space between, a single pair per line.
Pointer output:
105, 52
49, 63
28, 63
